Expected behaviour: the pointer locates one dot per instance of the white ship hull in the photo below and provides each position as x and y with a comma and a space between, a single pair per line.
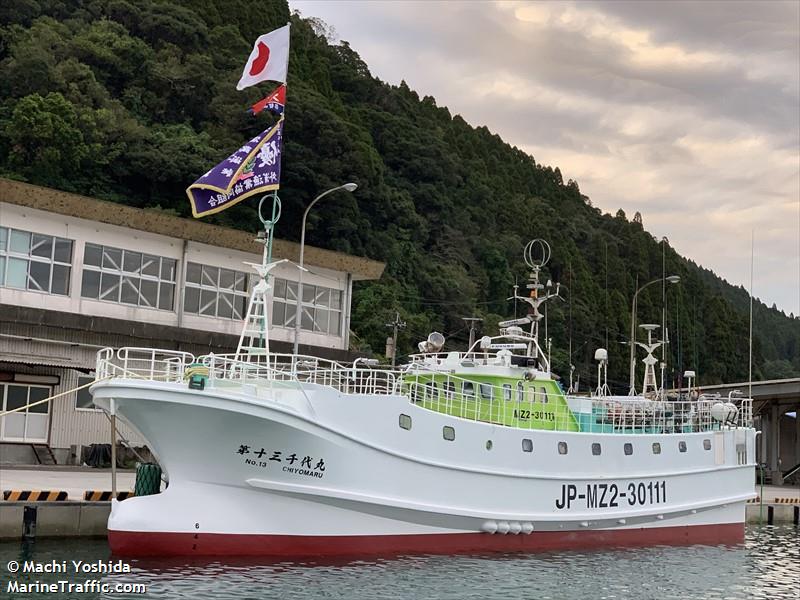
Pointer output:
272, 470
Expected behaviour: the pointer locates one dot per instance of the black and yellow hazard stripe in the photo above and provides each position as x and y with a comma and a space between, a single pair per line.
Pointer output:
104, 496
787, 501
34, 496
755, 500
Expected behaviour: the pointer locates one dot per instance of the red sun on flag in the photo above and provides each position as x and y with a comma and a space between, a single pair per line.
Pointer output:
269, 59
260, 62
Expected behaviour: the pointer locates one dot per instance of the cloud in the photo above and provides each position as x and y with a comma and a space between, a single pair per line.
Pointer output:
685, 111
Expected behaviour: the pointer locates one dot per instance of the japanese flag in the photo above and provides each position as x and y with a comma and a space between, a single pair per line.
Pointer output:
269, 59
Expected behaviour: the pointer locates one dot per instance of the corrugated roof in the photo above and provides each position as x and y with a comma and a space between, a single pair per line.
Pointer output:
156, 221
49, 361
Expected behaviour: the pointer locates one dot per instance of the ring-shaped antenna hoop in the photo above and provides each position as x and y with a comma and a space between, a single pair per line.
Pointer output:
276, 210
537, 253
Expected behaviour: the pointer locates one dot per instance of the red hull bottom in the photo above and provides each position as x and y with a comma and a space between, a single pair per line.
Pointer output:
132, 543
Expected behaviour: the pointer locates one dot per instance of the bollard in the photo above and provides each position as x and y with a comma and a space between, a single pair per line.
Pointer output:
29, 522
770, 514
797, 515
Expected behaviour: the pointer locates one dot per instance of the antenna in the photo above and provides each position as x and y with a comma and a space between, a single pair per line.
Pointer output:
472, 321
750, 350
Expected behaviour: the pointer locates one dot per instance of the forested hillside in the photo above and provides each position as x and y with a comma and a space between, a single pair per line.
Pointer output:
131, 101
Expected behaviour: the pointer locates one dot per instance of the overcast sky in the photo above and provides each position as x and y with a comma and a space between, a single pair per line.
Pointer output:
688, 112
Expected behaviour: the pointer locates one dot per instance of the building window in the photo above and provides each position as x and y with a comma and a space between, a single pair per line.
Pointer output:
656, 448
628, 448
215, 292
596, 449
35, 262
29, 424
707, 444
83, 399
321, 308
682, 446
448, 433
527, 445
562, 447
405, 422
128, 277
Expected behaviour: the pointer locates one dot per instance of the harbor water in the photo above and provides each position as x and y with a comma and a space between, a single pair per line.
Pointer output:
765, 566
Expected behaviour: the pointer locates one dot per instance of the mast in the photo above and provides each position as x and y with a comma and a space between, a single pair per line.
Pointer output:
254, 339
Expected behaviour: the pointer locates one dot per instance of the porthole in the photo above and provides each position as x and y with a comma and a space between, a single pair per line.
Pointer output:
628, 449
656, 448
405, 422
562, 447
682, 446
527, 445
596, 449
448, 433
707, 444
488, 444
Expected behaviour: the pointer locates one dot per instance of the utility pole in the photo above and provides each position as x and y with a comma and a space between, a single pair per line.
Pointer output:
396, 325
472, 321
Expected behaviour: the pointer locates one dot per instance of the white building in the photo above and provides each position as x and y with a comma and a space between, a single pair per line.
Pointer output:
78, 274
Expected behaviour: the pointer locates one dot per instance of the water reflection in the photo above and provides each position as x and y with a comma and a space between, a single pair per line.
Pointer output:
764, 567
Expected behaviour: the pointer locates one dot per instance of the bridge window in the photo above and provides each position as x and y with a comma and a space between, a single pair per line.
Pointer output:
448, 433
486, 391
562, 447
543, 394
405, 422
527, 445
707, 444
628, 448
449, 389
682, 446
468, 389
507, 392
596, 449
656, 448
431, 391
520, 392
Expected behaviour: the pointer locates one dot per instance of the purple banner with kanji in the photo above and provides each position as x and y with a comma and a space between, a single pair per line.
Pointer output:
255, 168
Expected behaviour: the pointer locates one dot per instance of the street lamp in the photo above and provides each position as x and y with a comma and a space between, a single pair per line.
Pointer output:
632, 342
347, 187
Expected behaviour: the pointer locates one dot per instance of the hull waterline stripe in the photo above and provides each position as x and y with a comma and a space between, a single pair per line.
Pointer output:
134, 543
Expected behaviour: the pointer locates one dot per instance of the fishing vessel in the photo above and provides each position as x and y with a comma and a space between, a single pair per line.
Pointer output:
457, 451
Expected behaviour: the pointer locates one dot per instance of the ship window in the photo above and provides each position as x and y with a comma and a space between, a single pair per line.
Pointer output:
628, 449
682, 446
520, 392
489, 444
562, 447
656, 448
405, 422
448, 433
707, 444
486, 391
543, 395
449, 389
596, 449
507, 392
431, 391
468, 389
527, 445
